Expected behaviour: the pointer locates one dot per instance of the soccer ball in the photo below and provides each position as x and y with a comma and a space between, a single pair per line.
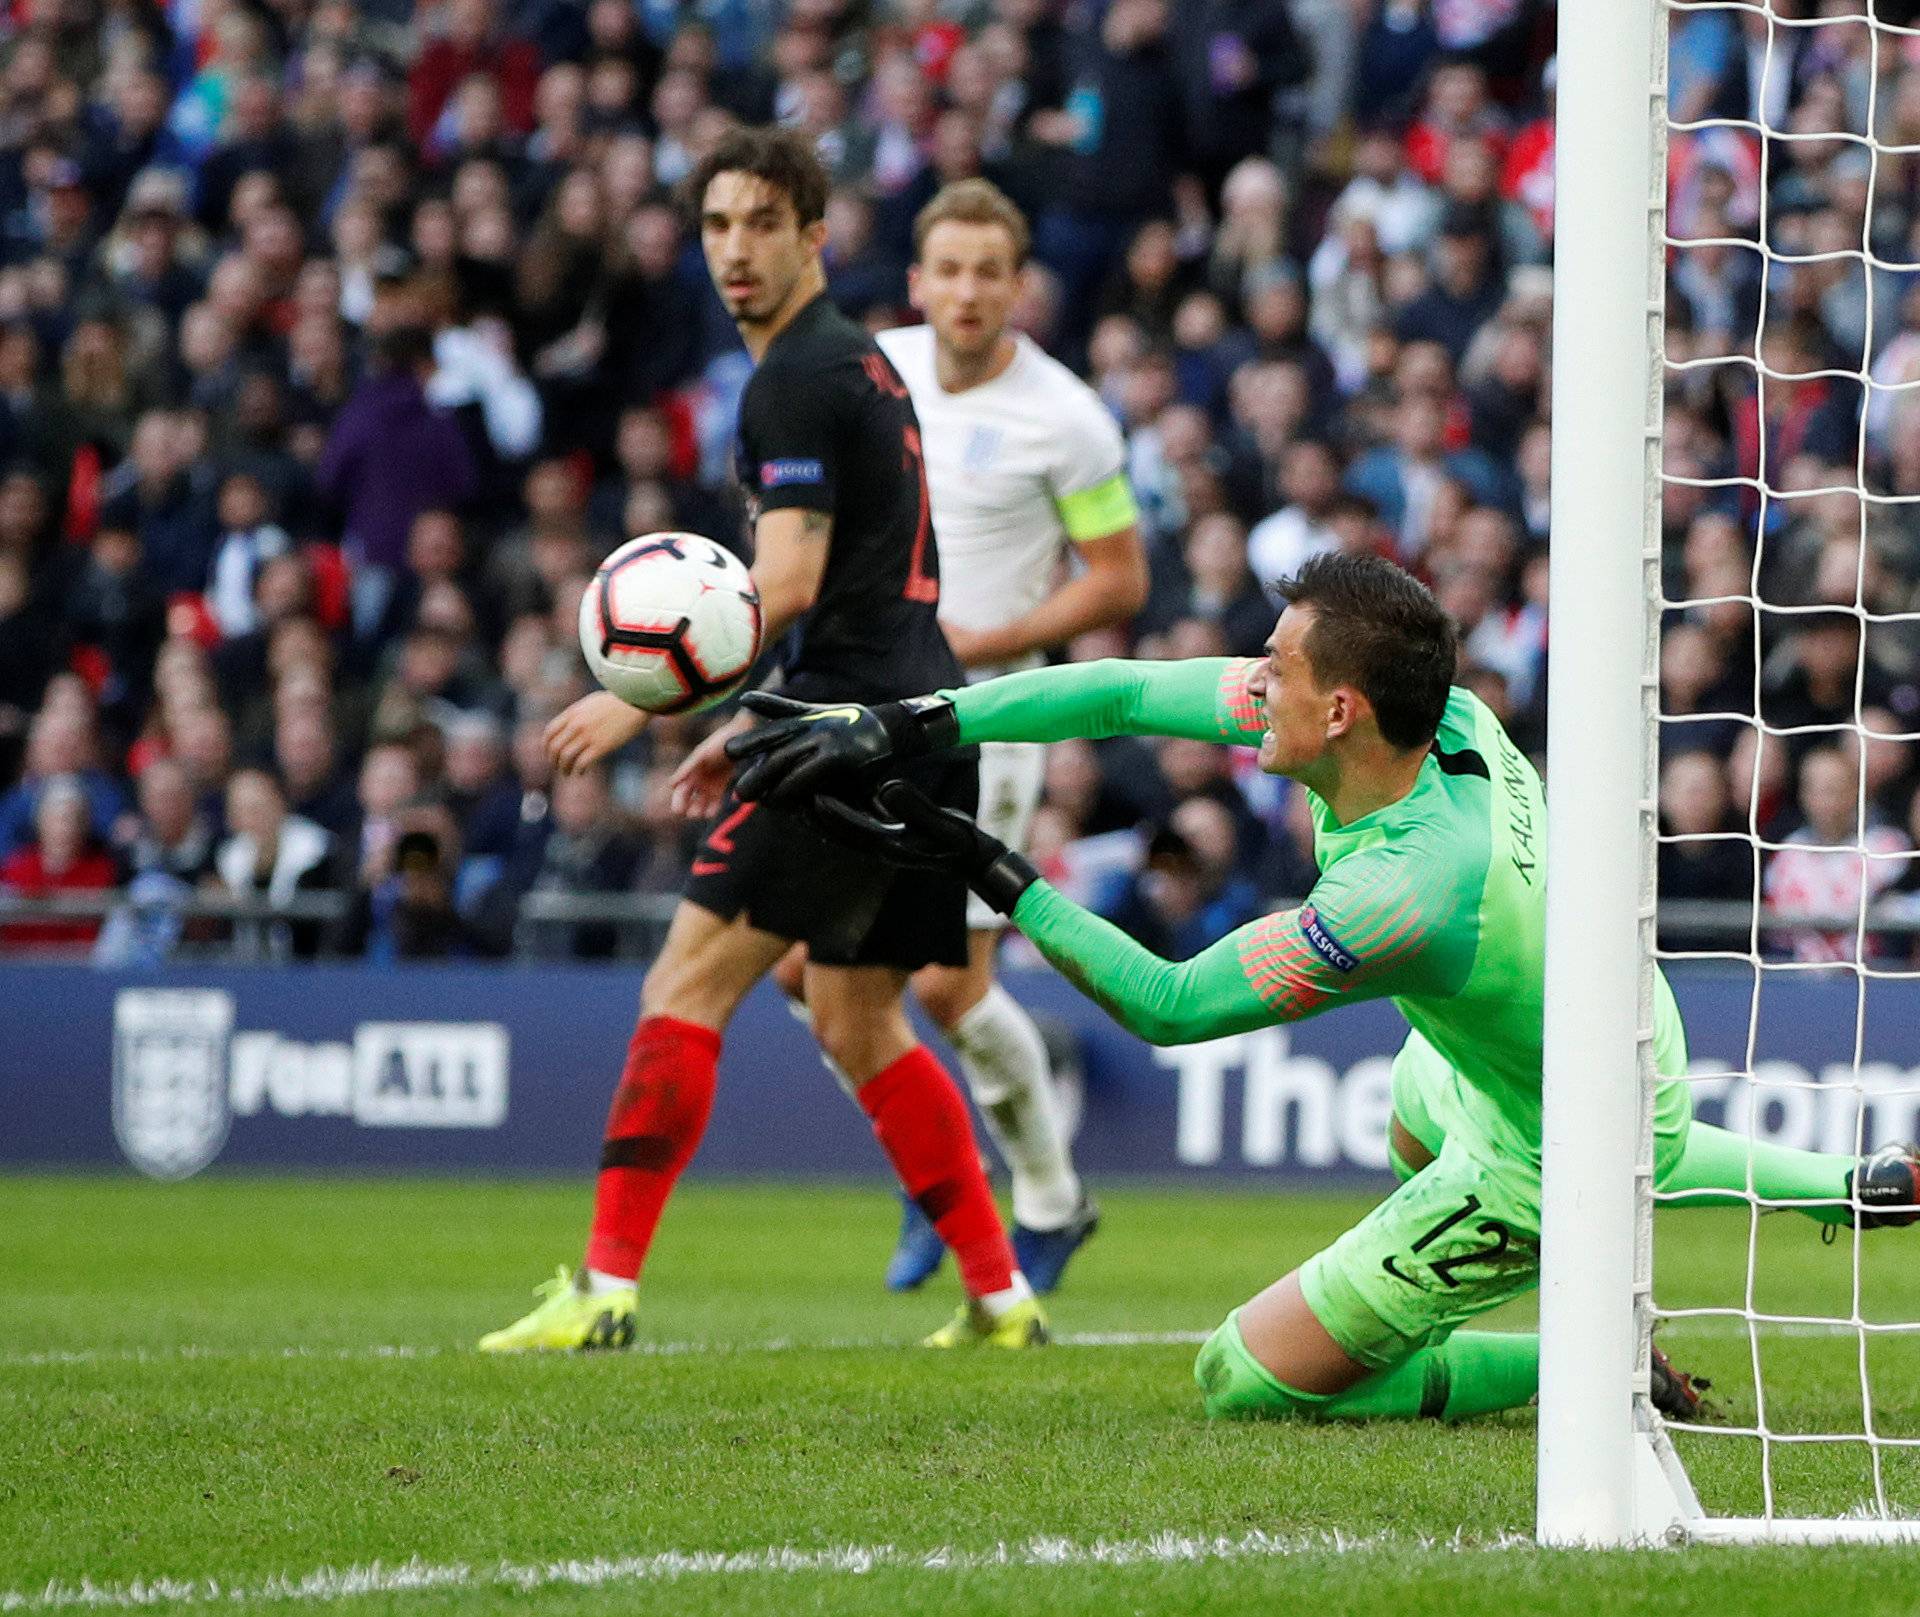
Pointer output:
671, 623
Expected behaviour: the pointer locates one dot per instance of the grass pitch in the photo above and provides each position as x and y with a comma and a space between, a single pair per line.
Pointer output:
263, 1394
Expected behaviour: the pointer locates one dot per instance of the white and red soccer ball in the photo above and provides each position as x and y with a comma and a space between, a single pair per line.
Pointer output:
671, 623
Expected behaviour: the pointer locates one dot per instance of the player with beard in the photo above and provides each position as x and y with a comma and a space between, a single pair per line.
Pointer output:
1026, 467
847, 572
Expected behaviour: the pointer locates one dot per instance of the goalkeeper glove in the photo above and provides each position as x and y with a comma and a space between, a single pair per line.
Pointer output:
920, 834
808, 744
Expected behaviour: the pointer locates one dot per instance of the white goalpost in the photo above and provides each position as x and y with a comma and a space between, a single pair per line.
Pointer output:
1609, 1470
1595, 1484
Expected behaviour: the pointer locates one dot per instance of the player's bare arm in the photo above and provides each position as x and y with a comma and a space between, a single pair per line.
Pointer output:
588, 730
1109, 590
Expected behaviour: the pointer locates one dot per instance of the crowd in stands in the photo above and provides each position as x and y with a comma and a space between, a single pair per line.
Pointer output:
340, 339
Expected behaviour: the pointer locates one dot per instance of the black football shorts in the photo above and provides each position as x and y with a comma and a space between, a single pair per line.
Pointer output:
774, 865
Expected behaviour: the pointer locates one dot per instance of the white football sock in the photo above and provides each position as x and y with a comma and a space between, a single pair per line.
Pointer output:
1005, 1061
997, 1303
598, 1282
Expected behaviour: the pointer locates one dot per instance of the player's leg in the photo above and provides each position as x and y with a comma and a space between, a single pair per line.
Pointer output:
1005, 1063
921, 1121
790, 977
1368, 1328
918, 1252
1002, 1053
659, 1112
1273, 1358
1713, 1169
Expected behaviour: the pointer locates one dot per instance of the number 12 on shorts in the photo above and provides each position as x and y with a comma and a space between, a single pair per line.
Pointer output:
1443, 1267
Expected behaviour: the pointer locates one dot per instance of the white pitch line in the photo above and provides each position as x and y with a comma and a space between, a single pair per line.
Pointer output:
1711, 1327
327, 1584
655, 1350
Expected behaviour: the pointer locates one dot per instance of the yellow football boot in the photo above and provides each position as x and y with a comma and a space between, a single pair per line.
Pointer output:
1024, 1325
568, 1319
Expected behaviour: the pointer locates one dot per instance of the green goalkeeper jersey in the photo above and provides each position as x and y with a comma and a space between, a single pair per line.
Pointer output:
1436, 901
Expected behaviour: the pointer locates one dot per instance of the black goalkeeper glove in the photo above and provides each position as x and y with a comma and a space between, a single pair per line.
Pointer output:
920, 834
811, 746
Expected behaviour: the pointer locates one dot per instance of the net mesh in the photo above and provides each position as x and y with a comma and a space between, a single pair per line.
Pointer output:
1790, 525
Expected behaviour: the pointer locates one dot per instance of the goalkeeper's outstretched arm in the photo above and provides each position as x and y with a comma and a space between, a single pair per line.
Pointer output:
1277, 969
807, 746
1199, 699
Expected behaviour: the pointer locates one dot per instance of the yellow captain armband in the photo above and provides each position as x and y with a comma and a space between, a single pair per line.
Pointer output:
1098, 512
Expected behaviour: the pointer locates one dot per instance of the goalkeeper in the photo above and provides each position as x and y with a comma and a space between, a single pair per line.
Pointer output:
1429, 826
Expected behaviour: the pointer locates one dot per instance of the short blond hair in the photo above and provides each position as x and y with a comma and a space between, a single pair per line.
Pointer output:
974, 202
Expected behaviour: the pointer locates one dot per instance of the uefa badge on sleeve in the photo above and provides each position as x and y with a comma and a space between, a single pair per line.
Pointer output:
170, 1110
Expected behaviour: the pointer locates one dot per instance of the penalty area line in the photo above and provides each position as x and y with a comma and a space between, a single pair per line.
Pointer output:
326, 1584
654, 1350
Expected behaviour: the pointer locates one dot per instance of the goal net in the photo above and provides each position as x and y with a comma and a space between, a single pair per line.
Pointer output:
1736, 527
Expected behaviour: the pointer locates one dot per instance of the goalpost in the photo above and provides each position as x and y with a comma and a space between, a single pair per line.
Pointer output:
1609, 1471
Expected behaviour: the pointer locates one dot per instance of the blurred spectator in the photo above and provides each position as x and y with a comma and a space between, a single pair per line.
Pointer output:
1188, 894
390, 456
118, 616
61, 745
1403, 479
1281, 544
152, 495
409, 913
1467, 287
30, 647
171, 836
1507, 392
63, 856
1832, 865
1252, 235
1816, 680
1458, 107
1288, 868
389, 783
276, 856
1119, 133
483, 796
1221, 590
247, 541
305, 755
472, 46
1702, 855
1233, 60
586, 851
203, 742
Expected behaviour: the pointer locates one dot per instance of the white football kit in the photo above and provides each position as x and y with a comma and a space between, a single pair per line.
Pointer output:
1018, 469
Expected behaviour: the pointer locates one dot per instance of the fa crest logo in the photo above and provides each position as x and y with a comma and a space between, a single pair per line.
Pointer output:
170, 1110
982, 446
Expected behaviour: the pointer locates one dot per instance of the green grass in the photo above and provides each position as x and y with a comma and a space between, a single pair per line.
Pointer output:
189, 1390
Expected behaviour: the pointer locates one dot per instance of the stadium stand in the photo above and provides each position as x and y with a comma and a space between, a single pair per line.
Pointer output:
338, 342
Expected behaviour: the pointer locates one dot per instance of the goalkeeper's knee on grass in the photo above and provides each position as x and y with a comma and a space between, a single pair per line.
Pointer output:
1471, 1373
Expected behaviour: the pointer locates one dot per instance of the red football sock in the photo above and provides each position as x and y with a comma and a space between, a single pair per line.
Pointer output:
659, 1113
922, 1124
